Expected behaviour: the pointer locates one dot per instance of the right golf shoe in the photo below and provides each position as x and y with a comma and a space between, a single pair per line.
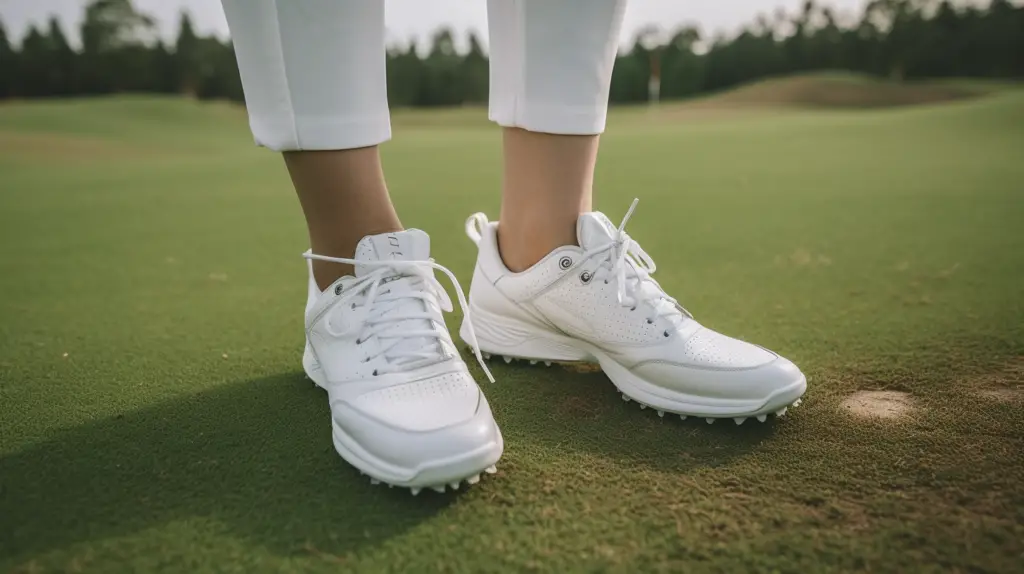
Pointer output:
404, 408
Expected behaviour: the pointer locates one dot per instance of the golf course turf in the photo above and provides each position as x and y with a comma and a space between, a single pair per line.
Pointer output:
155, 416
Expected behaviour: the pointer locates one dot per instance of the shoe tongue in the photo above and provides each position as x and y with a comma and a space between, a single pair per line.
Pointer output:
408, 245
593, 229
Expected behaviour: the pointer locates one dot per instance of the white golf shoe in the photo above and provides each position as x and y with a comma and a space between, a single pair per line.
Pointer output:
404, 408
598, 303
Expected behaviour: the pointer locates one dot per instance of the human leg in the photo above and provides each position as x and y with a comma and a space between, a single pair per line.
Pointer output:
557, 282
405, 409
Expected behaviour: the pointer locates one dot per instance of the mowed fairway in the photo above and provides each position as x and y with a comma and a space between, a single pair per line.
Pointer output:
154, 416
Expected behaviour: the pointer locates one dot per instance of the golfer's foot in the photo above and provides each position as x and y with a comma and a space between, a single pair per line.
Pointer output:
597, 302
404, 408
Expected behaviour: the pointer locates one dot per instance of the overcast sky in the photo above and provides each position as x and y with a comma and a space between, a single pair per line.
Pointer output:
406, 18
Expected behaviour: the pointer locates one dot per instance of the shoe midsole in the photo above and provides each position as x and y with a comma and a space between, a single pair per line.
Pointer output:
529, 342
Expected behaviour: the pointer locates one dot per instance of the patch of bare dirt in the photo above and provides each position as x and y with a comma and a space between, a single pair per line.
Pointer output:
1005, 385
878, 404
1007, 395
803, 258
581, 367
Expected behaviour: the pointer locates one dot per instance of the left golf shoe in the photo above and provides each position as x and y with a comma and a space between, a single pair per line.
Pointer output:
598, 303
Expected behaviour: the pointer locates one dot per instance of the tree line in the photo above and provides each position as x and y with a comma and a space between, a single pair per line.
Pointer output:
899, 39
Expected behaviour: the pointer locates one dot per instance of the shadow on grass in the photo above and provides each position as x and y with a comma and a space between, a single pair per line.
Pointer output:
256, 456
574, 410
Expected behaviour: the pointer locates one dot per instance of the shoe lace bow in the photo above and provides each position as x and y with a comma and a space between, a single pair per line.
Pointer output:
386, 290
631, 268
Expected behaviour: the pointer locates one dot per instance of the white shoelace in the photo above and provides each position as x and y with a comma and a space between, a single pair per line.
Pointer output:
631, 267
416, 281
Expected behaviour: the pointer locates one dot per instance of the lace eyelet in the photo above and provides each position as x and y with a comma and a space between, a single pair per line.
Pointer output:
649, 322
665, 333
605, 281
359, 341
633, 308
353, 305
375, 372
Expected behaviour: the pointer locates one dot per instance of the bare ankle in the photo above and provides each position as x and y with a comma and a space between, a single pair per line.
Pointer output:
344, 198
547, 184
325, 273
522, 248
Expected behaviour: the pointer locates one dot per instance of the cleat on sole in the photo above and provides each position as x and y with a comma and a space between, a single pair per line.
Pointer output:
473, 479
762, 418
491, 469
739, 420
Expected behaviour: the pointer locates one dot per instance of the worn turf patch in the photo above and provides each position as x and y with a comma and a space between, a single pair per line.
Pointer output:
878, 404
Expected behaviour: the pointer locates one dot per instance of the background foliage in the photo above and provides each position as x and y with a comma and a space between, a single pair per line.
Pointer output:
891, 38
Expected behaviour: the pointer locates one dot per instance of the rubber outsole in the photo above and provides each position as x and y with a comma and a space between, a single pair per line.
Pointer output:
785, 399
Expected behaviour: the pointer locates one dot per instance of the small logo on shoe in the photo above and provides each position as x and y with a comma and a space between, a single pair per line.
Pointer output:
394, 244
565, 263
586, 276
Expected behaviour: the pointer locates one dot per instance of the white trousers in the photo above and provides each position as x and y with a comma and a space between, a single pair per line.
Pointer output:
313, 71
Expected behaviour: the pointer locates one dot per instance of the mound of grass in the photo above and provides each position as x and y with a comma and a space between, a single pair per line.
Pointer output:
155, 417
842, 90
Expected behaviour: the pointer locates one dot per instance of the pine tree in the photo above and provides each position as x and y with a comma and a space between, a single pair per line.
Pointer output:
9, 66
474, 72
186, 56
61, 61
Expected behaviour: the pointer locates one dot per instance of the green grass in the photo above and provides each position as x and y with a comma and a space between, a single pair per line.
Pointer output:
155, 417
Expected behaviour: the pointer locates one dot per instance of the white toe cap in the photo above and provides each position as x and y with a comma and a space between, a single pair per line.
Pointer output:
417, 424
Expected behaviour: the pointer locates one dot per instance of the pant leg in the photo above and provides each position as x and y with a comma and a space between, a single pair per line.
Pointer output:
551, 63
313, 71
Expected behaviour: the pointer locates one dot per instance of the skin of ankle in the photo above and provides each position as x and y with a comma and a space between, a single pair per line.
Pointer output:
548, 182
344, 198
